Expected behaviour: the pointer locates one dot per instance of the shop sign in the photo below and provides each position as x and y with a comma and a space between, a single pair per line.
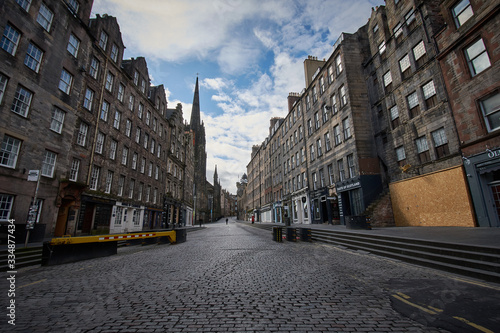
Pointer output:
348, 186
493, 154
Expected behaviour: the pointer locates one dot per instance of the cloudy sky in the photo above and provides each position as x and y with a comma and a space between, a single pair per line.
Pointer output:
248, 55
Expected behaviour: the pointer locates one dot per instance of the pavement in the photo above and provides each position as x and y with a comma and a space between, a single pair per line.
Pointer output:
487, 237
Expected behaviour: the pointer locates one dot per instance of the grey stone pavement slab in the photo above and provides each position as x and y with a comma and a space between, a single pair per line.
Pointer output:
225, 278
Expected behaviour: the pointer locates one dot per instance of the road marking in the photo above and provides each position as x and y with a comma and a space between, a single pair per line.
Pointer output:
476, 326
403, 295
32, 283
435, 309
414, 305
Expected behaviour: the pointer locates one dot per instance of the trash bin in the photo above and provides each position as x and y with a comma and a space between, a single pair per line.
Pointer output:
291, 234
278, 234
305, 234
180, 235
357, 222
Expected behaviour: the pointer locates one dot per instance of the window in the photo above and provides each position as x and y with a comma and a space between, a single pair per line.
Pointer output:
140, 110
387, 81
401, 156
148, 118
5, 206
118, 215
109, 181
429, 94
33, 58
25, 4
315, 94
309, 127
22, 101
109, 82
9, 151
57, 120
121, 183
410, 19
114, 52
73, 5
321, 85
49, 164
316, 120
104, 111
158, 151
394, 116
94, 68
131, 189
325, 113
334, 104
94, 177
311, 150
398, 32
65, 81
338, 64
330, 74
146, 140
128, 127
138, 135
318, 146
3, 85
301, 133
45, 17
89, 97
413, 104
462, 12
343, 97
112, 149
423, 149
440, 143
150, 169
116, 121
136, 78
404, 65
419, 53
73, 45
99, 143
477, 57
315, 180
375, 28
350, 165
124, 155
135, 157
103, 40
10, 39
153, 145
73, 173
143, 86
330, 174
490, 108
81, 138
381, 47
140, 190
337, 135
340, 166
347, 128
121, 92
328, 144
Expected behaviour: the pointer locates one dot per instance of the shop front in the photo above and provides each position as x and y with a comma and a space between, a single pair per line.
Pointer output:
355, 194
126, 218
300, 207
483, 177
95, 215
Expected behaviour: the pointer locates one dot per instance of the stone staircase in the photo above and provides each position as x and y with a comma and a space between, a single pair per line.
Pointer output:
24, 257
380, 211
469, 260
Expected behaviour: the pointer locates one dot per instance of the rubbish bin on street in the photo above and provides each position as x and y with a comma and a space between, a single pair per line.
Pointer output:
357, 222
278, 234
305, 234
291, 234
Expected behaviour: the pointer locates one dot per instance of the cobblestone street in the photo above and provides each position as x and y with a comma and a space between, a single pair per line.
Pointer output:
224, 278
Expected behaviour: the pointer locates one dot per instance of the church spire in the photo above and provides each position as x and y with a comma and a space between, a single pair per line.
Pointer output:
195, 112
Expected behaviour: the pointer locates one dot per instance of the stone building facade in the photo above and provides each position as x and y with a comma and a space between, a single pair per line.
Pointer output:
388, 119
112, 156
469, 55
